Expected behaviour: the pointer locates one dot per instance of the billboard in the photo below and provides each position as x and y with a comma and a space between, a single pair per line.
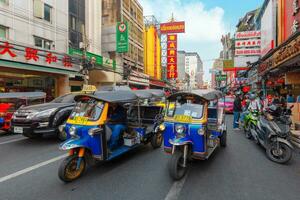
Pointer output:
172, 56
172, 27
248, 52
268, 28
247, 35
247, 43
122, 37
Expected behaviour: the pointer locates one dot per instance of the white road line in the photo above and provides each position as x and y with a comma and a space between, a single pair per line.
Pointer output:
14, 140
176, 188
26, 170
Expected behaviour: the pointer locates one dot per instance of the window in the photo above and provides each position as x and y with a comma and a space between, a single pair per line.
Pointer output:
42, 43
4, 2
42, 10
47, 12
3, 32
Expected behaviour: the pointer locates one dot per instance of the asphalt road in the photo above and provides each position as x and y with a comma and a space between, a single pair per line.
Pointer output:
241, 171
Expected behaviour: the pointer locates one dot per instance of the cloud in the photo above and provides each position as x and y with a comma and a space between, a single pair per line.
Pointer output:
204, 27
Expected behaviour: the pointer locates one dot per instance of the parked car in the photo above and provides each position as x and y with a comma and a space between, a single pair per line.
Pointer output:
227, 103
43, 119
12, 101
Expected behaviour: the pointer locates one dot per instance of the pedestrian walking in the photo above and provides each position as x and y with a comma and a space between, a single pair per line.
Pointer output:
237, 109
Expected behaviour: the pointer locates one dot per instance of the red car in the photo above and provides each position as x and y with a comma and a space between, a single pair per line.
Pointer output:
227, 103
10, 102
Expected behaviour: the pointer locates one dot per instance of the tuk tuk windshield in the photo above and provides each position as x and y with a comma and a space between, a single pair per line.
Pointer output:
188, 109
90, 109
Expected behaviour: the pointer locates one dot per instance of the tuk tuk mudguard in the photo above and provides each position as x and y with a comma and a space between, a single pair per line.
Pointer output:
192, 137
83, 140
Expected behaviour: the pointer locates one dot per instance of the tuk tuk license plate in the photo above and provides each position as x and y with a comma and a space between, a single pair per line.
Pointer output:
18, 130
183, 118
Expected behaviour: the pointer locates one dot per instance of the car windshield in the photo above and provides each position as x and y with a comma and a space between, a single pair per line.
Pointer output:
188, 109
90, 109
68, 98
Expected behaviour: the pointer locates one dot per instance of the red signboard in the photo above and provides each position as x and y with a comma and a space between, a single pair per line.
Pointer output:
172, 27
291, 17
172, 56
248, 34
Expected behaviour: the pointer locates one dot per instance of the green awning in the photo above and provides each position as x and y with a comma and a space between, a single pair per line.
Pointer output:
38, 68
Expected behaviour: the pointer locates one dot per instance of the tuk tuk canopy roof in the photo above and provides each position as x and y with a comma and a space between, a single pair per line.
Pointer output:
121, 96
23, 95
207, 95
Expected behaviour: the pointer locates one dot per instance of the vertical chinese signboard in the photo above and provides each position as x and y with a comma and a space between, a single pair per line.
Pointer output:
172, 56
122, 45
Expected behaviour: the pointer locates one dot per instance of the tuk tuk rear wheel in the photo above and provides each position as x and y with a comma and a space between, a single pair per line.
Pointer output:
176, 169
156, 140
67, 171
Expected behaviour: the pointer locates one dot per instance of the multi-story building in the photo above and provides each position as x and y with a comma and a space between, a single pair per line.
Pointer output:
181, 72
33, 46
152, 51
131, 11
192, 64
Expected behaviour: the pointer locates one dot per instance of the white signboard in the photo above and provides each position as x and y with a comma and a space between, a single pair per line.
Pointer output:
247, 52
247, 35
247, 43
268, 28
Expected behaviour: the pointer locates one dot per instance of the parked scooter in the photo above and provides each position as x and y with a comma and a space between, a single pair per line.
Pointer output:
273, 133
250, 122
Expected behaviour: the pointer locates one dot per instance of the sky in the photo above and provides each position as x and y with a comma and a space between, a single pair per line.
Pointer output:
206, 21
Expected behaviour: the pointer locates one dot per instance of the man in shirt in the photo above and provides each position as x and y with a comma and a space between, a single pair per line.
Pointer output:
237, 109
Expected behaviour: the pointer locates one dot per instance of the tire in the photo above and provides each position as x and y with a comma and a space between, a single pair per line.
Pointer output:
156, 140
175, 169
223, 139
68, 164
286, 153
62, 136
247, 132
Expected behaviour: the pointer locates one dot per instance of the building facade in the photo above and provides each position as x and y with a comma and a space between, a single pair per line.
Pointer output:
130, 11
152, 49
192, 64
33, 46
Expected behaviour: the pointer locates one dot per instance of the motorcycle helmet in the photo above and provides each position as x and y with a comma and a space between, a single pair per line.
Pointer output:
252, 96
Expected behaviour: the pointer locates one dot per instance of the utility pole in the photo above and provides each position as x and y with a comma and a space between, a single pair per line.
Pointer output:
84, 62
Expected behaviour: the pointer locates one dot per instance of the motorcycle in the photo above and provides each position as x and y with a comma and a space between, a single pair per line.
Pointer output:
273, 133
250, 122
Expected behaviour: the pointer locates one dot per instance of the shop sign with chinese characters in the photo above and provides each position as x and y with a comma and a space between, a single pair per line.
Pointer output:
291, 17
172, 56
248, 52
30, 55
287, 52
247, 43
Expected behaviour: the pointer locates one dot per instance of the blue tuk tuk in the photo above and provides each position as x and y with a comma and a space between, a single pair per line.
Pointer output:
91, 128
194, 126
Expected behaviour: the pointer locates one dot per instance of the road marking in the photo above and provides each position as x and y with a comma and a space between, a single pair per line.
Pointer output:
14, 140
26, 170
176, 188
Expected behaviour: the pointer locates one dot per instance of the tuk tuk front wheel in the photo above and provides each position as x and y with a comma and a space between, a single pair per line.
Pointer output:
156, 140
176, 168
68, 171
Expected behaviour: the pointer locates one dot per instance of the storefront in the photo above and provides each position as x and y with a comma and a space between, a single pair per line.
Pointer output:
25, 69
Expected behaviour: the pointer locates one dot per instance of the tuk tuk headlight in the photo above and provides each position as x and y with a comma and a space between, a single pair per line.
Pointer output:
162, 127
72, 131
180, 129
201, 131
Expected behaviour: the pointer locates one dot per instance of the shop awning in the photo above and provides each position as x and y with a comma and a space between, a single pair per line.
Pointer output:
38, 68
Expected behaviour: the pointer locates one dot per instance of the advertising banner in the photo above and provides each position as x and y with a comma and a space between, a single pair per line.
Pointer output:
228, 65
247, 43
247, 52
247, 35
268, 28
172, 27
122, 37
172, 56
